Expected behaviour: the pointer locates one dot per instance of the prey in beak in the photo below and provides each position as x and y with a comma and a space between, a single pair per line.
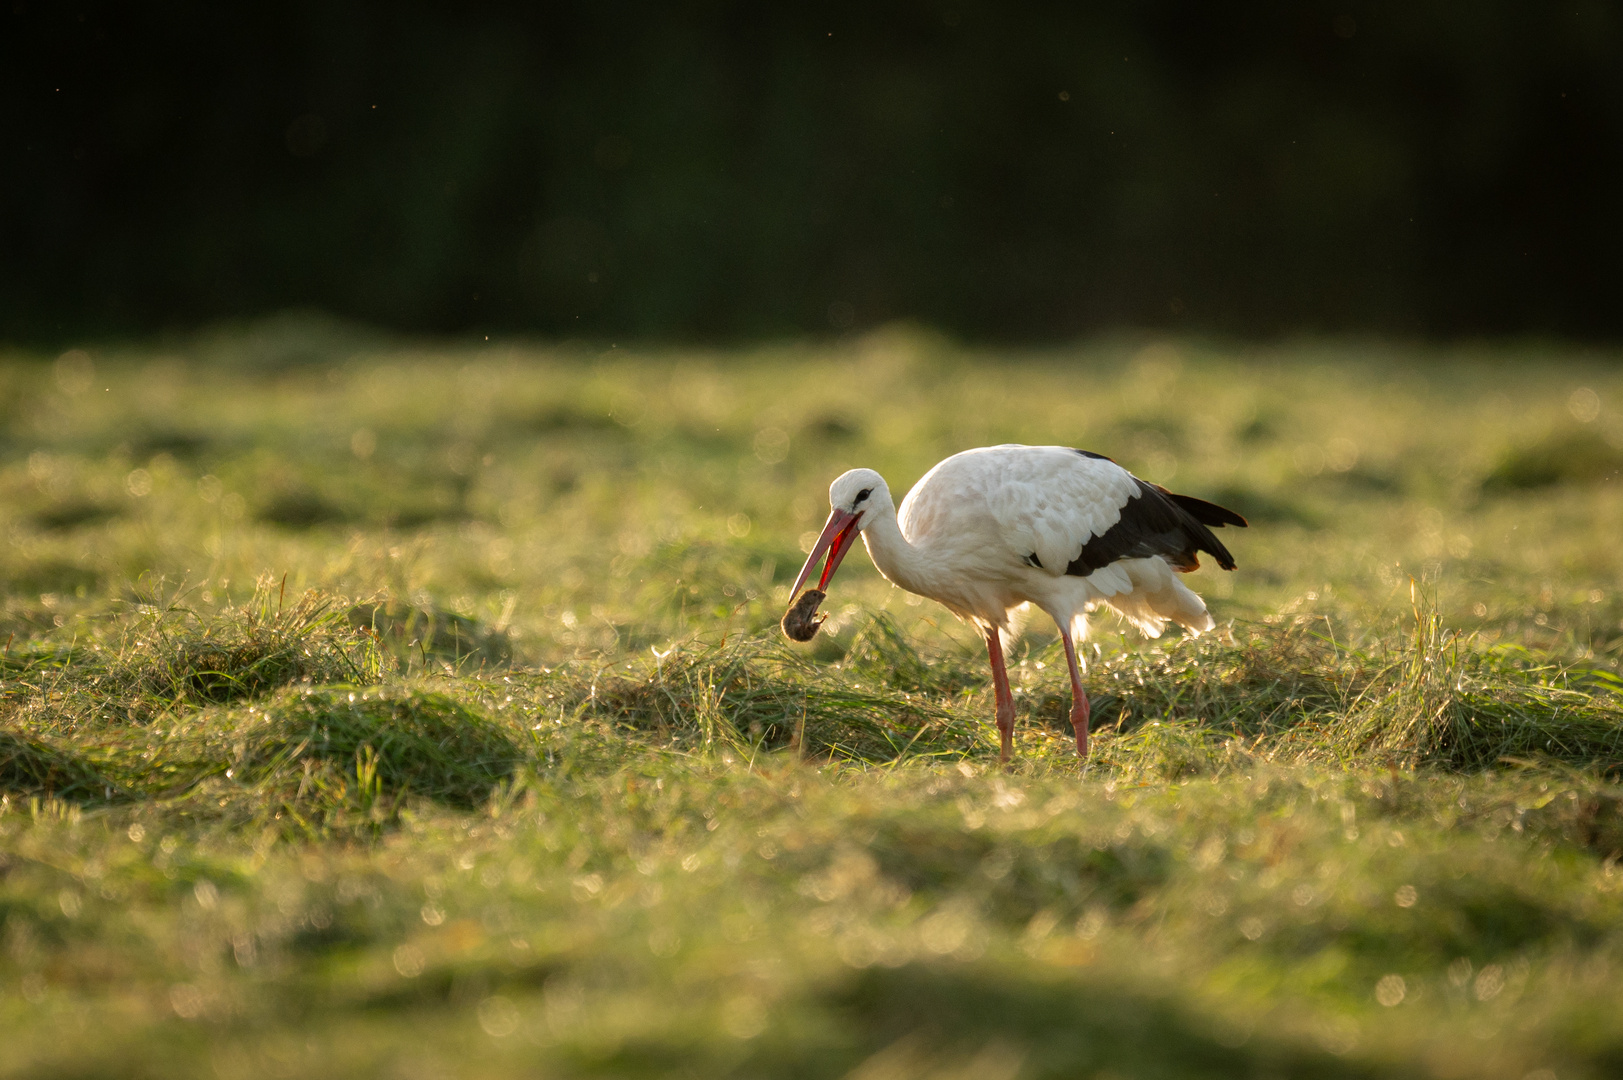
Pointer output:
801, 621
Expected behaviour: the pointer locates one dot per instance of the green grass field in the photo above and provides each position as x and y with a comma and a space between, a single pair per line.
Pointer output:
389, 708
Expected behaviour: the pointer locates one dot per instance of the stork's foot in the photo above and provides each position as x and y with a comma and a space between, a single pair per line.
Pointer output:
1005, 727
1079, 724
1003, 696
1079, 696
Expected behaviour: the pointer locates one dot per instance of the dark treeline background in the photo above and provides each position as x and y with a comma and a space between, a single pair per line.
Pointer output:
726, 169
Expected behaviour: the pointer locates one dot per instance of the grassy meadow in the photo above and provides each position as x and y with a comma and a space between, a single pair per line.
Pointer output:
403, 709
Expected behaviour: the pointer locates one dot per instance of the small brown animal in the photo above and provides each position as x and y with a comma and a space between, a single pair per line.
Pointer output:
801, 621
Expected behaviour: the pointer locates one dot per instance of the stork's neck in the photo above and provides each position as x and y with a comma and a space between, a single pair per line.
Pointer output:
900, 561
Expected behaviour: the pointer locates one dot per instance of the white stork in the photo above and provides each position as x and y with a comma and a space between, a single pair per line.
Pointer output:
989, 530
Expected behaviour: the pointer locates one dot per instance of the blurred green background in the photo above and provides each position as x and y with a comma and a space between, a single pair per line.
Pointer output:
724, 171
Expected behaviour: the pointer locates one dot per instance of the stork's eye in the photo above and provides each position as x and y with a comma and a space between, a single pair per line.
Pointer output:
863, 494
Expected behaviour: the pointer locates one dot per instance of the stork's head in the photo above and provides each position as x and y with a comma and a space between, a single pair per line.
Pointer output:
853, 498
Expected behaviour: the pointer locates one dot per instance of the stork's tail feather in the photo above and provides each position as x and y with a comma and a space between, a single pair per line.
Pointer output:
1200, 517
1159, 597
1208, 513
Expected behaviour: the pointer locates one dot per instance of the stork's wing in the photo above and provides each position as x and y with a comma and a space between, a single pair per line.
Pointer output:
1049, 501
1064, 511
1157, 522
1072, 512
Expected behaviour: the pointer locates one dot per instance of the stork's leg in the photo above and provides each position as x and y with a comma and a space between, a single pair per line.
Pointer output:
1005, 700
1079, 696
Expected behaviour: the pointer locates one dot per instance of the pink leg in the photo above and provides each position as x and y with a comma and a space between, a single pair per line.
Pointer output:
1079, 696
1005, 700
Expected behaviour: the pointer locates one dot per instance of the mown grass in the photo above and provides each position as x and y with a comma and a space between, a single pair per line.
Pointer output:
422, 713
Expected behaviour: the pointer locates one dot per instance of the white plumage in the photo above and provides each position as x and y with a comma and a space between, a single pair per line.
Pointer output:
988, 531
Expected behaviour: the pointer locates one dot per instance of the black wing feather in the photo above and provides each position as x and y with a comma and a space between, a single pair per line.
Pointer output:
1157, 522
1206, 513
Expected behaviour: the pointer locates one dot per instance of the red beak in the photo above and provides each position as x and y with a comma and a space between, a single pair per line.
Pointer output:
838, 535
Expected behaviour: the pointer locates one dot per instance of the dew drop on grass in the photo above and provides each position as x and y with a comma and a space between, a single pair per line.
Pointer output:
1391, 990
32, 987
1338, 1034
944, 932
498, 1016
744, 1017
1584, 405
664, 942
408, 961
186, 1000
